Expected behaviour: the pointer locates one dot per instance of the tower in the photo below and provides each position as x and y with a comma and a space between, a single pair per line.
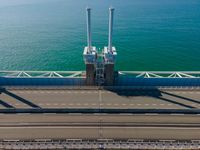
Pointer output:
89, 52
99, 71
110, 53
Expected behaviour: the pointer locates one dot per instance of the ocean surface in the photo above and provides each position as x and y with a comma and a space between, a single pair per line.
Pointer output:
148, 34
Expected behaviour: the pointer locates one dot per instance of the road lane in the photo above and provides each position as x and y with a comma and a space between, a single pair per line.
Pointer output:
101, 98
52, 126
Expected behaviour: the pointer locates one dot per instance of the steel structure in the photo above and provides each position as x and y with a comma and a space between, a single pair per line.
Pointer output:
99, 144
42, 74
81, 74
161, 74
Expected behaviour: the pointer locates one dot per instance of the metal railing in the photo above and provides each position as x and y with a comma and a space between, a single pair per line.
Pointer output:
99, 144
161, 74
66, 74
39, 74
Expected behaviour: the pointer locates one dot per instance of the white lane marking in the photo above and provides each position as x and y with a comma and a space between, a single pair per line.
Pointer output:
124, 104
84, 127
108, 104
86, 104
94, 104
71, 104
132, 104
40, 103
116, 104
162, 104
169, 104
146, 104
139, 104
154, 104
78, 104
68, 92
63, 104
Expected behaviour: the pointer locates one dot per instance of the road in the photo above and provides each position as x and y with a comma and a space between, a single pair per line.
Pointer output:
100, 126
149, 99
52, 126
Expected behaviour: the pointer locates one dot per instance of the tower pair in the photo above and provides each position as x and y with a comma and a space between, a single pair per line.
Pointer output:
90, 53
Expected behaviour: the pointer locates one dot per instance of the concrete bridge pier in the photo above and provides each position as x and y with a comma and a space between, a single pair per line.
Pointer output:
109, 74
90, 74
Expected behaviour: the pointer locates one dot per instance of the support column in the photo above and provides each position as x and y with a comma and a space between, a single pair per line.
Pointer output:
109, 74
90, 74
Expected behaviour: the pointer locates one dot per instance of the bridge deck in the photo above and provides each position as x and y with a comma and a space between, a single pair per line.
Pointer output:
150, 99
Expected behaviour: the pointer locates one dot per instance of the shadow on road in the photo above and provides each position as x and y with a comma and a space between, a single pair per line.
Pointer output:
5, 104
155, 93
27, 102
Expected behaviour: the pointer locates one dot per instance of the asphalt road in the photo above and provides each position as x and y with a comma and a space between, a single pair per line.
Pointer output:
52, 126
100, 99
97, 126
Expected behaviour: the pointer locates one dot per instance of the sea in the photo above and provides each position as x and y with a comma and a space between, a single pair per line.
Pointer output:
149, 35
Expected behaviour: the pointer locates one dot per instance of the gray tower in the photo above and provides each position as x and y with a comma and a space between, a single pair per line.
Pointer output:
110, 53
89, 52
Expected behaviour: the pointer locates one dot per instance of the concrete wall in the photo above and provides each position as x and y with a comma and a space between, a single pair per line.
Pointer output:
8, 81
90, 74
131, 81
109, 74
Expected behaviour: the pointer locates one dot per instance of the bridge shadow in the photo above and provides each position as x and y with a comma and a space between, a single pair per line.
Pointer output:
181, 97
5, 104
155, 93
17, 97
137, 92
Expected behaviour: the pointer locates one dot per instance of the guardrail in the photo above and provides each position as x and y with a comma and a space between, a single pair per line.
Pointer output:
99, 144
98, 111
161, 74
122, 79
42, 74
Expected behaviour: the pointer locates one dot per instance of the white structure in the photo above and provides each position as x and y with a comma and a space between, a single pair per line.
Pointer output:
89, 52
110, 51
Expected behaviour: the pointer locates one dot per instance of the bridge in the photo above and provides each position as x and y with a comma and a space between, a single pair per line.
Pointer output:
99, 107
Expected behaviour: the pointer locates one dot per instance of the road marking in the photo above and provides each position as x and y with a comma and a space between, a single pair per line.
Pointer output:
85, 127
116, 104
146, 104
86, 104
94, 104
139, 104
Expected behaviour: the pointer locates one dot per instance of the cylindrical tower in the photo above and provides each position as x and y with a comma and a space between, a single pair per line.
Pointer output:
111, 14
89, 40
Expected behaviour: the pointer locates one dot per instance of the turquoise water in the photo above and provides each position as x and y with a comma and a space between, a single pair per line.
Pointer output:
148, 34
